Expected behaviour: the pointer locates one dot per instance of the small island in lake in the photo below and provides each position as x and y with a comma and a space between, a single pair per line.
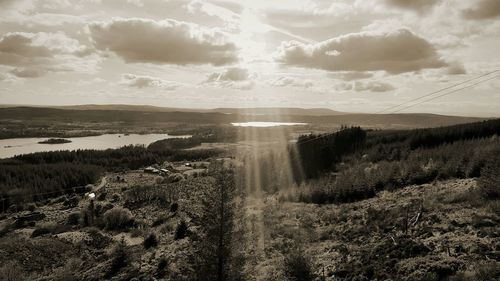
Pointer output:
54, 141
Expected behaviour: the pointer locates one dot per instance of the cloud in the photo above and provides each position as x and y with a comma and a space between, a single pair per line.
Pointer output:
456, 69
21, 46
373, 86
231, 74
232, 6
34, 54
286, 81
162, 42
350, 76
414, 5
233, 77
142, 81
28, 72
394, 52
484, 9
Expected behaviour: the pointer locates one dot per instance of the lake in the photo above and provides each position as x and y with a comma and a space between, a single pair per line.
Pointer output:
12, 147
266, 124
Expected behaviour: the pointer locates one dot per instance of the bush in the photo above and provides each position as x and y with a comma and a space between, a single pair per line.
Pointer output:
181, 231
159, 221
297, 266
11, 271
119, 259
73, 218
489, 182
115, 198
40, 232
161, 269
68, 271
173, 207
31, 207
483, 271
98, 240
50, 228
150, 241
117, 218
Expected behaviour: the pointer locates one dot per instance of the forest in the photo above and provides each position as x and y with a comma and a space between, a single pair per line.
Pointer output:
36, 176
208, 134
353, 164
370, 217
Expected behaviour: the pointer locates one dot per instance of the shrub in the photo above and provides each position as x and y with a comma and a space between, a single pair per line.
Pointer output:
117, 218
11, 271
50, 228
138, 196
159, 221
168, 227
119, 259
136, 232
102, 208
483, 271
31, 207
73, 218
150, 241
115, 198
161, 269
181, 231
68, 271
88, 214
487, 271
297, 266
102, 196
489, 182
98, 240
40, 231
173, 207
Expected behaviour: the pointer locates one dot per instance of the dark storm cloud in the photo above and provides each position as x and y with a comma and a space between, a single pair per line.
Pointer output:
163, 42
395, 52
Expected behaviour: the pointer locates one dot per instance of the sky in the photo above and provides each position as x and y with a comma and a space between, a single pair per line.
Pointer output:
346, 55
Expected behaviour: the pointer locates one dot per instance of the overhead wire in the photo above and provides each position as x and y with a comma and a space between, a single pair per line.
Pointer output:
421, 97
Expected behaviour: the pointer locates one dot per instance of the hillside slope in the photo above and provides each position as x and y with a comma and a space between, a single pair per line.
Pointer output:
422, 232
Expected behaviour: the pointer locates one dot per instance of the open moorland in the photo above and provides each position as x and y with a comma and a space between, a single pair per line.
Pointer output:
259, 204
80, 121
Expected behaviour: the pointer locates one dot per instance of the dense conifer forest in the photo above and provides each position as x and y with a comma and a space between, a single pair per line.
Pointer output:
354, 164
36, 176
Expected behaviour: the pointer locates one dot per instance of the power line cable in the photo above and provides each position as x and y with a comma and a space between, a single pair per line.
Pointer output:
448, 93
426, 95
438, 91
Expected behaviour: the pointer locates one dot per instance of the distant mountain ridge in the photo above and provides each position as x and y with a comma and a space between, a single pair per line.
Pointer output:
279, 111
154, 115
228, 110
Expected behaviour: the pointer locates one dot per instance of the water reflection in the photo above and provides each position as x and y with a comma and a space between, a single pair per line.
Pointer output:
12, 147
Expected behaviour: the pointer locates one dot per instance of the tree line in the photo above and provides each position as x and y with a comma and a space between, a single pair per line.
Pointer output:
40, 175
365, 162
